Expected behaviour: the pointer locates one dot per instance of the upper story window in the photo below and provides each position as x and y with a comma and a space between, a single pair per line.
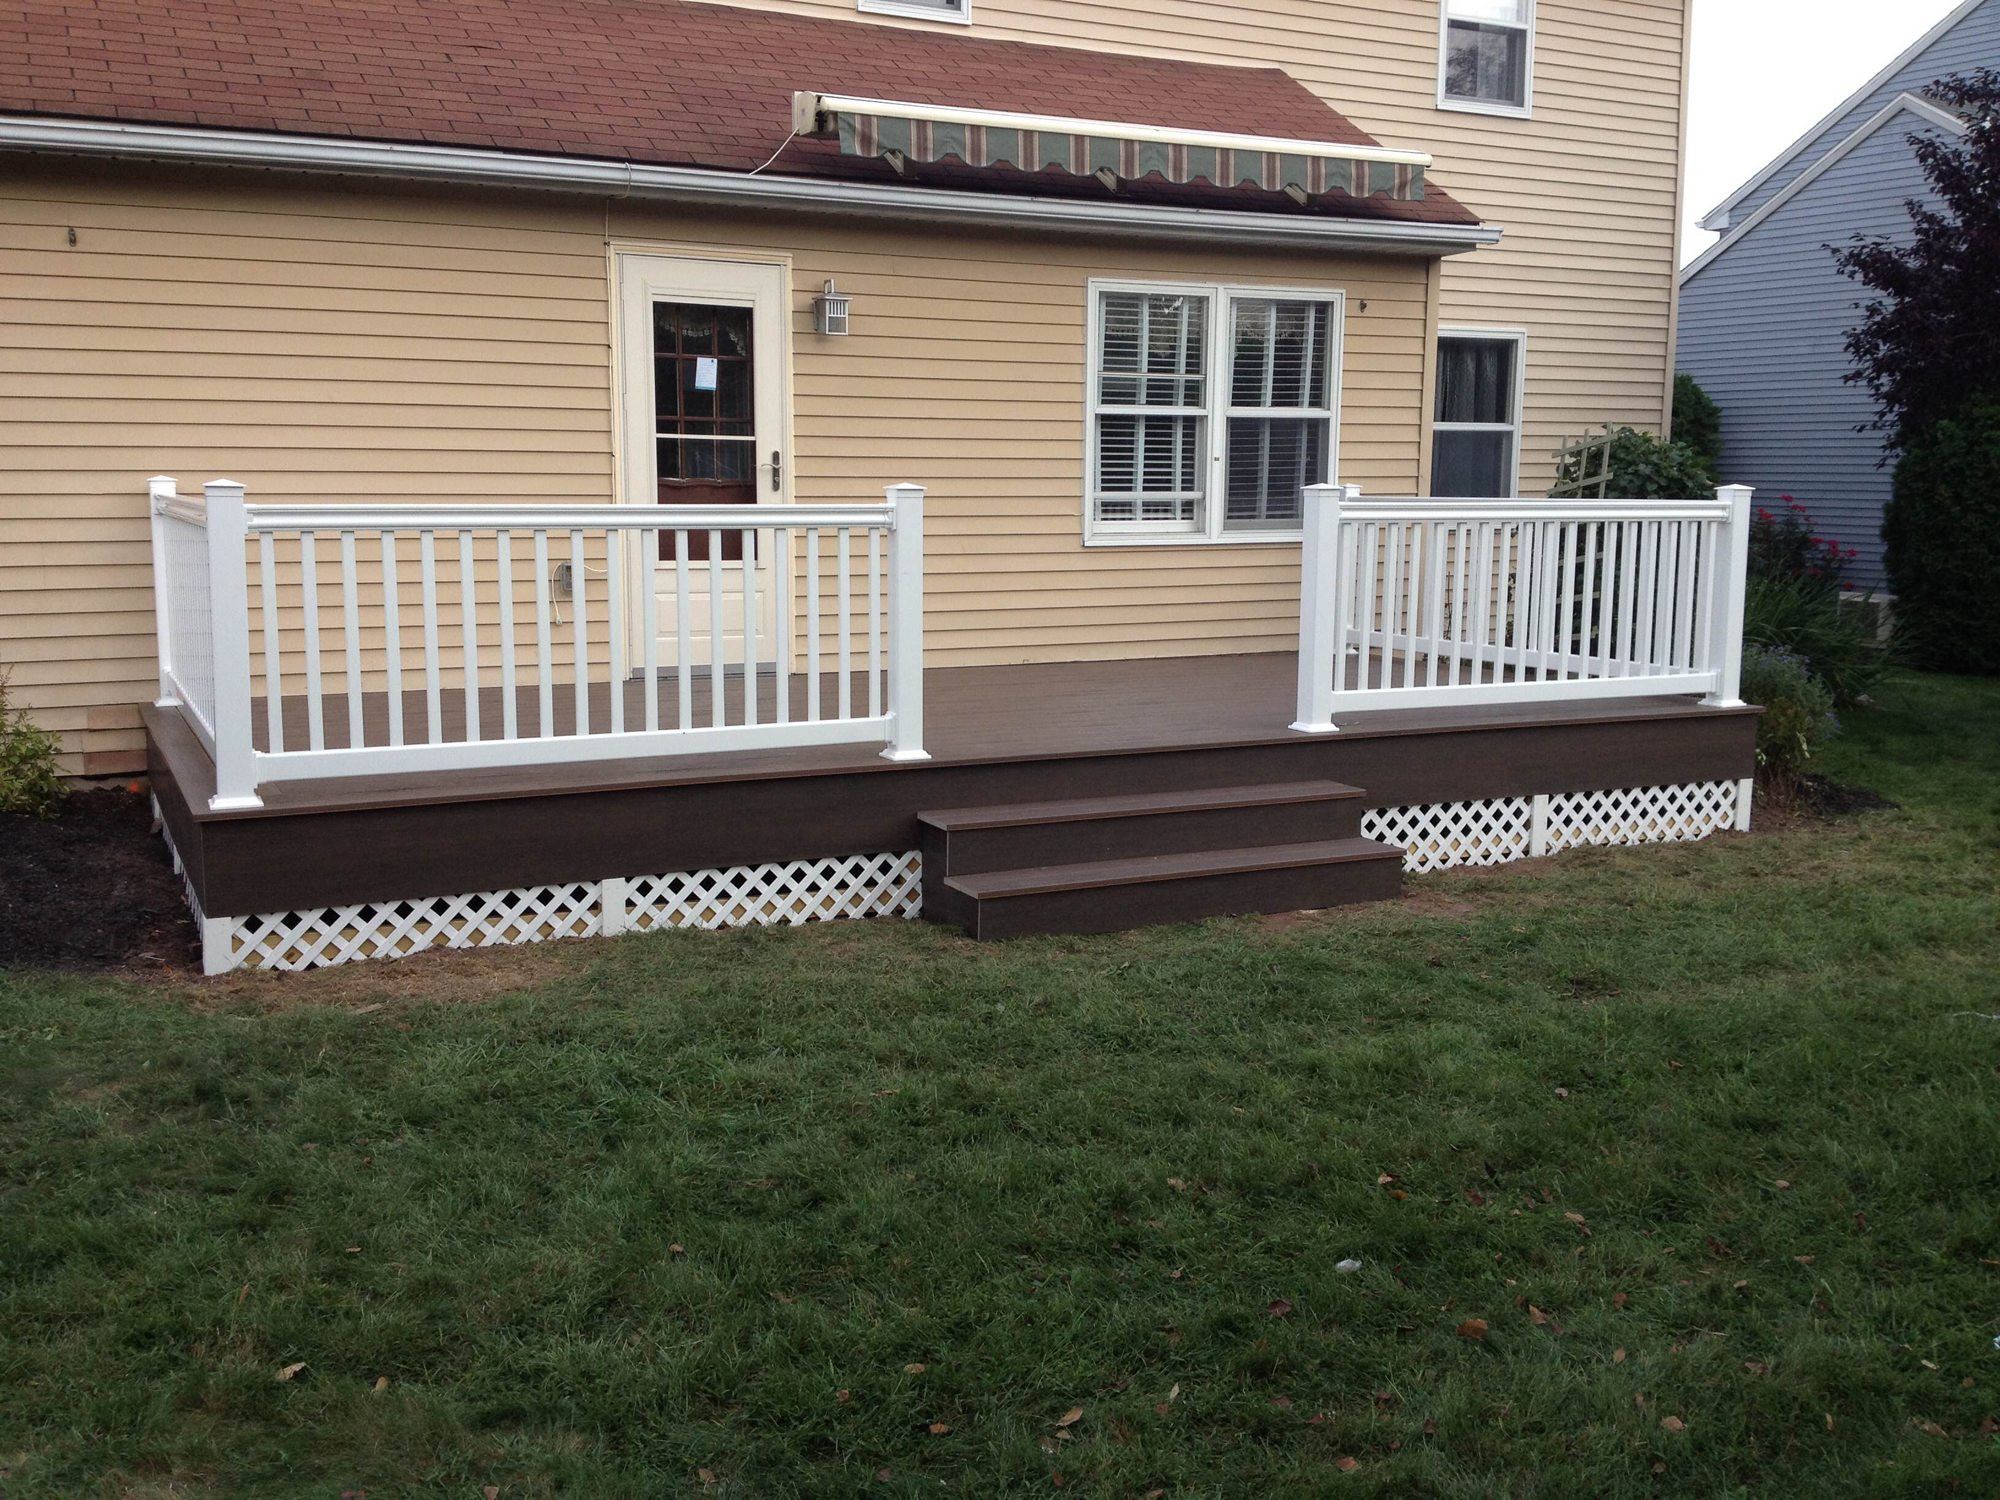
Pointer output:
925, 10
1486, 56
1211, 409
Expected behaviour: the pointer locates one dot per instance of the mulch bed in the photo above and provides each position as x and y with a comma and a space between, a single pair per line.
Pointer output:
1830, 799
92, 888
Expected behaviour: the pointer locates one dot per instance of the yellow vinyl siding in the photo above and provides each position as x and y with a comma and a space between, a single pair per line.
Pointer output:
327, 342
1587, 189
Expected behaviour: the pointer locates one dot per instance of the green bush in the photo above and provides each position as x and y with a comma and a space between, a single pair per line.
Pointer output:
1805, 618
1942, 530
28, 780
1644, 467
1698, 423
1798, 717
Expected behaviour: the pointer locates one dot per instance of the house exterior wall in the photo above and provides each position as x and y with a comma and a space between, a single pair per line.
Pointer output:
1763, 328
1971, 41
1587, 189
337, 342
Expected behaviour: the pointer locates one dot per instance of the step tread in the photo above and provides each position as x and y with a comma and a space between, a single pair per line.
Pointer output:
1137, 805
1001, 884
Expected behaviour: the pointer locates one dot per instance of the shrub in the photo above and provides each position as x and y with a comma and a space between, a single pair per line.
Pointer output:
1798, 716
28, 780
1804, 617
1698, 423
1644, 467
1783, 544
1942, 530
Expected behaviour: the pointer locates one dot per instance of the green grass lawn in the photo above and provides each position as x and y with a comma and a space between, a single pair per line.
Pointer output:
1708, 1138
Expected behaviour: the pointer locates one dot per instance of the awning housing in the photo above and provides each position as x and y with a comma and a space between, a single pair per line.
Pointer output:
1108, 150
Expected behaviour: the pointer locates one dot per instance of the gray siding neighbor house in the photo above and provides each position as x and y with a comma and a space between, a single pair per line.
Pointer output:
1764, 314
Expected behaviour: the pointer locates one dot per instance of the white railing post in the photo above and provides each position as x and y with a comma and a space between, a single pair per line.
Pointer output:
1732, 566
1322, 612
906, 622
161, 491
229, 625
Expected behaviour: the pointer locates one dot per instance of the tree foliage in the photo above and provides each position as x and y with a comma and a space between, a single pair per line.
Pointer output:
1930, 338
1698, 422
1942, 530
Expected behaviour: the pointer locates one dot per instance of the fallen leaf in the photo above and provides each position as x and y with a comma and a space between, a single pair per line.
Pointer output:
1829, 1421
381, 1382
1386, 1178
1071, 1417
290, 1370
1741, 1285
1756, 1367
1281, 1401
1675, 1064
1398, 1194
1430, 1427
1279, 1309
1047, 1444
1673, 1424
1658, 1467
675, 1250
1562, 1093
1347, 1465
1804, 1260
1317, 1419
243, 1294
1472, 1328
1781, 1185
843, 1396
1536, 1315
883, 1475
885, 1093
1927, 1364
1639, 1400
1929, 1429
1620, 1299
1988, 1426
490, 1491
706, 1476
913, 1369
939, 1429
352, 1250
1618, 1356
1175, 1393
1578, 1220
1177, 1184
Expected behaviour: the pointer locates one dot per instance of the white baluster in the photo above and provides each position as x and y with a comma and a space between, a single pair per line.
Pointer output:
350, 630
392, 636
579, 594
503, 562
309, 593
433, 679
545, 672
274, 675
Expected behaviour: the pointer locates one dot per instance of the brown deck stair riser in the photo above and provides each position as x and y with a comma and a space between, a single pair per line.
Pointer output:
1105, 863
1173, 888
970, 841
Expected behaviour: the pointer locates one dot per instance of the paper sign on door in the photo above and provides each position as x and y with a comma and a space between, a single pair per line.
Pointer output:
704, 373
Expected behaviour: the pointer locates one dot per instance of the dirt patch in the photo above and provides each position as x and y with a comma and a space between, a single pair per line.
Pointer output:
1813, 800
93, 889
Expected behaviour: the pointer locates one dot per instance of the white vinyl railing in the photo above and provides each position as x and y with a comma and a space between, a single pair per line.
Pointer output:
1416, 603
309, 640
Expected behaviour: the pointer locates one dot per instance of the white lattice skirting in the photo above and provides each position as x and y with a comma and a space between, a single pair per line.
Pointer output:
789, 894
1441, 835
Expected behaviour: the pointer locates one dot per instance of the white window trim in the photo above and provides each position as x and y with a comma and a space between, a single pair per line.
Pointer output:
1207, 529
1518, 337
917, 10
1521, 111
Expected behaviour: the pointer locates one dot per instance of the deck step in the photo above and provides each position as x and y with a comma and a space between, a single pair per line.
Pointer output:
1114, 894
1025, 835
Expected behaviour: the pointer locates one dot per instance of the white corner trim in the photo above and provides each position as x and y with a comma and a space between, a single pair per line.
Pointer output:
625, 179
1943, 119
1784, 158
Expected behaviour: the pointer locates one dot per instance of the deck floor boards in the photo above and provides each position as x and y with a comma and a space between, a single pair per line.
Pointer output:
973, 715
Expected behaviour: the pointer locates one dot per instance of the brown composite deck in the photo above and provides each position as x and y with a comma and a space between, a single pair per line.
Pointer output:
997, 736
973, 715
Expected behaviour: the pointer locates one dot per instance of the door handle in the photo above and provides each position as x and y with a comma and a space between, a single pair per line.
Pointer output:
777, 472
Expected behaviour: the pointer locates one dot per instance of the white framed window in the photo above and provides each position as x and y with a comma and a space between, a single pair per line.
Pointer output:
1476, 427
1211, 408
1486, 56
923, 10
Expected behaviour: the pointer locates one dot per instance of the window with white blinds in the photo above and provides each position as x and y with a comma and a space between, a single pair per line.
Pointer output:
1211, 410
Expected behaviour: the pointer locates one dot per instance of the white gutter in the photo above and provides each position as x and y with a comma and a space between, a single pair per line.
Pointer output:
807, 107
195, 145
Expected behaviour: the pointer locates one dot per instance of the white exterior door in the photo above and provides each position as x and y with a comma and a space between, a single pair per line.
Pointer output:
704, 346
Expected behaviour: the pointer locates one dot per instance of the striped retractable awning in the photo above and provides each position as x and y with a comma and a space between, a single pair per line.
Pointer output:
985, 138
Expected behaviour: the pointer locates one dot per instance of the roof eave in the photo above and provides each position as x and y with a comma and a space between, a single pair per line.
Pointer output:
470, 166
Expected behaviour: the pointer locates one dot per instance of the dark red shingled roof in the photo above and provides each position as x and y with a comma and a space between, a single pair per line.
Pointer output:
665, 82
